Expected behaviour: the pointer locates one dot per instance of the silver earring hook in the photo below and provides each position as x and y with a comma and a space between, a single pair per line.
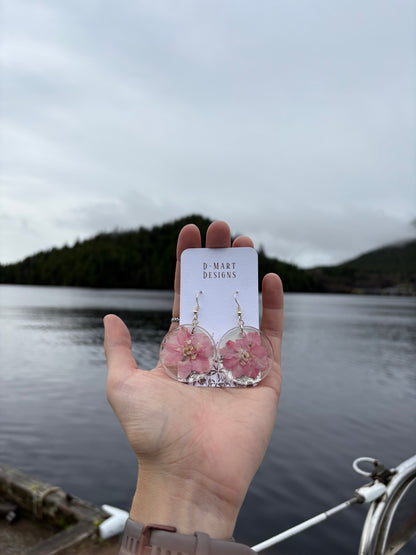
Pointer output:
196, 309
240, 320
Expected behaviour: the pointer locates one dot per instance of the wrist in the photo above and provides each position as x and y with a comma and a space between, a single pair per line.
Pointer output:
189, 504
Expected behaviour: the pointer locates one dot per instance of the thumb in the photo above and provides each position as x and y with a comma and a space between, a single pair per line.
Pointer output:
117, 347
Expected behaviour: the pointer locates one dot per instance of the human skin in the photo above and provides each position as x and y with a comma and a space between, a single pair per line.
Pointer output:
198, 448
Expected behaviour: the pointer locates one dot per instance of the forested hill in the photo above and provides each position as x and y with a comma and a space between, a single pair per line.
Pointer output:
389, 270
145, 259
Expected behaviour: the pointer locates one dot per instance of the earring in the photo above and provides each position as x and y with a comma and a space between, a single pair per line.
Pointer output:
188, 352
245, 353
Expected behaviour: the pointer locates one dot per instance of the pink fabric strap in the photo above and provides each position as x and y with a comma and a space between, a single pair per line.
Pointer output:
163, 540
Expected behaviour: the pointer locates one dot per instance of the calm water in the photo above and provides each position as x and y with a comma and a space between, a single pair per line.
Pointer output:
349, 390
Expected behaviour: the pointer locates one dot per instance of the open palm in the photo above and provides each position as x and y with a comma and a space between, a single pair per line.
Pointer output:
201, 446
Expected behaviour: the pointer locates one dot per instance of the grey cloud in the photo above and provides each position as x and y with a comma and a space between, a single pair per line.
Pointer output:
285, 119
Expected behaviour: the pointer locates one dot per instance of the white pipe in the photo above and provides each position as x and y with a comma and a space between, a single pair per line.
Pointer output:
113, 525
303, 525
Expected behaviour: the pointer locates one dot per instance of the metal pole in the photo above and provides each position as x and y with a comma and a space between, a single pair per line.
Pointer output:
304, 525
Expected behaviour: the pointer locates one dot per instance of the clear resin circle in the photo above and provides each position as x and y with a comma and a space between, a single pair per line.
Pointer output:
246, 355
187, 353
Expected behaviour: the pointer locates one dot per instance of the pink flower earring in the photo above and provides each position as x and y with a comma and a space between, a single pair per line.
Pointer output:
245, 353
188, 352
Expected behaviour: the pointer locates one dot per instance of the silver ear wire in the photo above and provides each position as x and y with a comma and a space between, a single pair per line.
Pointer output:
196, 309
240, 320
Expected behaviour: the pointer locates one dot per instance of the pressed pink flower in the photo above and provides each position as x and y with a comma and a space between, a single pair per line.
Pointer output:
245, 356
188, 352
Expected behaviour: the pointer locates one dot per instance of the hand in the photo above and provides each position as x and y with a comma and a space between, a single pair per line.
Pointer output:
198, 448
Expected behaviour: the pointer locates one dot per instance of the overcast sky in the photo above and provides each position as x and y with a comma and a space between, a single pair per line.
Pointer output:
293, 120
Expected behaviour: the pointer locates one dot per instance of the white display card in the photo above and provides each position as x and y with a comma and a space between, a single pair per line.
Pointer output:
219, 273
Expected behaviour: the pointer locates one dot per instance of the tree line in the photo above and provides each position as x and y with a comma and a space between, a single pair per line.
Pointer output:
142, 258
145, 259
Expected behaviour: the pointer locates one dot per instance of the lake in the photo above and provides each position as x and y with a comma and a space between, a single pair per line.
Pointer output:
349, 390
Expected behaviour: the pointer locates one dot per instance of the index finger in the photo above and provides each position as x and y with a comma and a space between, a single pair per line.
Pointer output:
189, 237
